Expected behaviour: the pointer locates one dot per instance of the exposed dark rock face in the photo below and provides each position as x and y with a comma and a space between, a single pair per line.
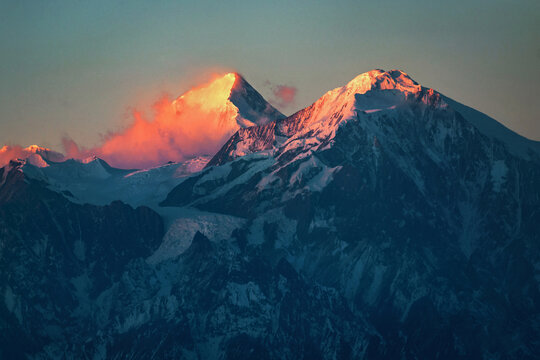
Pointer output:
424, 224
57, 258
253, 139
75, 284
251, 104
379, 223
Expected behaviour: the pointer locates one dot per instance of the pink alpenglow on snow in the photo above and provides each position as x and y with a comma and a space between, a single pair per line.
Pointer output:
34, 154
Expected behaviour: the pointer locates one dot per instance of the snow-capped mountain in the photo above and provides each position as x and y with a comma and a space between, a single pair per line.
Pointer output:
36, 155
197, 122
93, 180
384, 221
235, 103
383, 190
367, 93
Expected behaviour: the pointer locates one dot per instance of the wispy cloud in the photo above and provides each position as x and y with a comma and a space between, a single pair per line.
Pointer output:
283, 96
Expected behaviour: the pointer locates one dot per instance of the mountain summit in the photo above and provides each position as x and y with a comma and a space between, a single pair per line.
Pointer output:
391, 194
383, 80
36, 155
384, 221
235, 102
198, 122
375, 91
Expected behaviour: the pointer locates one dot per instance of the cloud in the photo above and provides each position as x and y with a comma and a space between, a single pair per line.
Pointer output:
197, 123
71, 149
8, 153
284, 94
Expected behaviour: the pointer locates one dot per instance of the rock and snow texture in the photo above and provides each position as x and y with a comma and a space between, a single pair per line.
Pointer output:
385, 191
381, 222
370, 92
253, 109
183, 227
36, 155
93, 181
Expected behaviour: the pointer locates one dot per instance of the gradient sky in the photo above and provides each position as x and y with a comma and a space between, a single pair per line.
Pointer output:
78, 68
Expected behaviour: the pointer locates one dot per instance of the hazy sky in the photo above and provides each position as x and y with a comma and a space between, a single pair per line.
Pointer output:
77, 68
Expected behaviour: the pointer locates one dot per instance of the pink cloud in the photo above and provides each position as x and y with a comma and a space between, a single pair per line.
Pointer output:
197, 123
8, 153
284, 94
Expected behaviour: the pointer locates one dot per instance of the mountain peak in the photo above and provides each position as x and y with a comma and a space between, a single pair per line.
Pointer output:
35, 154
252, 107
232, 98
210, 96
366, 92
378, 79
372, 91
36, 149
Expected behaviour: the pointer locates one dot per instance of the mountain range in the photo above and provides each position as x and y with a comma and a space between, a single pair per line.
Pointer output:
384, 221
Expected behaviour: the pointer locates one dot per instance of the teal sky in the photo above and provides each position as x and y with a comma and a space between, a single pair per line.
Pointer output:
77, 67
